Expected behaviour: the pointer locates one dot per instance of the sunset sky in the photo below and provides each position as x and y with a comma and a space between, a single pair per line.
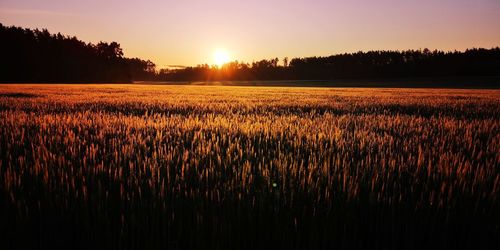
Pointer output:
189, 32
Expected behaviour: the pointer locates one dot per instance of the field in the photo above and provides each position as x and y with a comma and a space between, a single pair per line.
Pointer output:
214, 167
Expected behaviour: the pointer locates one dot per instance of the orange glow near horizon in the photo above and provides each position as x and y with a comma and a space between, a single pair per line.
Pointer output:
186, 32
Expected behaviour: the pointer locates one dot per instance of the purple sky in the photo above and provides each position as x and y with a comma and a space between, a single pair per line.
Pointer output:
188, 32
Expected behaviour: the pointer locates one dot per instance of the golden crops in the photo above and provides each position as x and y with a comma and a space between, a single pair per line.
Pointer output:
187, 166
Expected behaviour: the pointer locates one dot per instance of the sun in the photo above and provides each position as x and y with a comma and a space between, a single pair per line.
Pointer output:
221, 57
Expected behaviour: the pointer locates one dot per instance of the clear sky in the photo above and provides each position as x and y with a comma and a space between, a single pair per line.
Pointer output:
188, 32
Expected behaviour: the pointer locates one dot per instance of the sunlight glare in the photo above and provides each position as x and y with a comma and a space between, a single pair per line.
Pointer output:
221, 57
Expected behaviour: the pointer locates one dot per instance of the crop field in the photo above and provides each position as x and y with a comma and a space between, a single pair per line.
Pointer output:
214, 167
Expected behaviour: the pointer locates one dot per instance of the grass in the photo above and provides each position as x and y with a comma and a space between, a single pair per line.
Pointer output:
213, 167
463, 82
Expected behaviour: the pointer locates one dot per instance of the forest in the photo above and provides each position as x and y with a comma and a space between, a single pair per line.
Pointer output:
360, 65
39, 56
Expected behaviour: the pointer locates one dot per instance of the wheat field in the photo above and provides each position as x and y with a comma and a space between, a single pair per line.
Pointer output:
214, 167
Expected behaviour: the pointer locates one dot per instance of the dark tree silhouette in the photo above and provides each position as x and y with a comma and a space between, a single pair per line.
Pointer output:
38, 56
109, 51
360, 65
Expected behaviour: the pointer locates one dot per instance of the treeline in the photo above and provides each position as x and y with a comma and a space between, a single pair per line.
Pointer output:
39, 56
372, 64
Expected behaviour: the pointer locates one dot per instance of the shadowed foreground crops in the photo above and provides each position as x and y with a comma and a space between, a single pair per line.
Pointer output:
179, 167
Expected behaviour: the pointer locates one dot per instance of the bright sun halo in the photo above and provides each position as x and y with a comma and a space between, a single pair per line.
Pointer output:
221, 57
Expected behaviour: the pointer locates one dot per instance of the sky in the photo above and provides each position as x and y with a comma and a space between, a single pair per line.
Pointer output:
189, 32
